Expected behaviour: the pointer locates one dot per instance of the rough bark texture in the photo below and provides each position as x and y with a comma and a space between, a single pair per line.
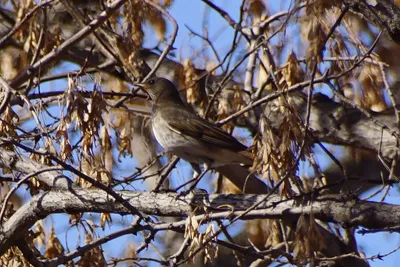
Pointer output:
383, 13
347, 211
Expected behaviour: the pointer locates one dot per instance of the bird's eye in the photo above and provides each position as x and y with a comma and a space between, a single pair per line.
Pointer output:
151, 82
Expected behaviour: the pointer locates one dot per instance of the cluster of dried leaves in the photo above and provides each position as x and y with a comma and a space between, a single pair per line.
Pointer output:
98, 121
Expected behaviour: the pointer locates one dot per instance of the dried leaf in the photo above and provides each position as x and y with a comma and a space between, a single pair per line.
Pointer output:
93, 257
257, 8
105, 218
53, 246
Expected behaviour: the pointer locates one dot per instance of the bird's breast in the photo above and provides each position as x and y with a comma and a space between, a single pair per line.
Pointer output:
185, 147
167, 138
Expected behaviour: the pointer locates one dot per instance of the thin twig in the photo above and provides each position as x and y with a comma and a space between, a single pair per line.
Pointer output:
170, 43
20, 23
165, 173
53, 55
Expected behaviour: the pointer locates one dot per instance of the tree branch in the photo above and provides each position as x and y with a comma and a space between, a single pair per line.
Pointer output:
348, 212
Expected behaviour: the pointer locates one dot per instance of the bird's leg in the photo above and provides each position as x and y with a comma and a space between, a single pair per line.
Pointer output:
196, 169
197, 175
198, 178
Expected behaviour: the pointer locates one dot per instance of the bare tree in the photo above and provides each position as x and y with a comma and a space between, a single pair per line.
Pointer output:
75, 136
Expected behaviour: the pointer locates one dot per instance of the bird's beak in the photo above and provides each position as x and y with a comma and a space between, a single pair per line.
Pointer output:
143, 87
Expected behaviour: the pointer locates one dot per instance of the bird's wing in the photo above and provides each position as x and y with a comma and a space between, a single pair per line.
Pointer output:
192, 125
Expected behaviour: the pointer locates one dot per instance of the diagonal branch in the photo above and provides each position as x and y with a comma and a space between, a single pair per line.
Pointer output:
52, 56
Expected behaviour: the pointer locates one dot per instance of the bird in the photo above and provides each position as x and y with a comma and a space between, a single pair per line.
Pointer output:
179, 130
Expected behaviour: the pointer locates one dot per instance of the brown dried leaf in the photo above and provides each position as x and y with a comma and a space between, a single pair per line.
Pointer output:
54, 247
13, 257
200, 239
74, 219
105, 176
292, 73
191, 227
257, 8
40, 239
12, 60
158, 22
308, 240
210, 248
106, 148
316, 37
372, 83
339, 49
137, 12
192, 88
130, 251
105, 218
166, 3
93, 257
320, 7
111, 83
7, 124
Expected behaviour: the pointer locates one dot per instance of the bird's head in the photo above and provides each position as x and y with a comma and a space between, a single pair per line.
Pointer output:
160, 89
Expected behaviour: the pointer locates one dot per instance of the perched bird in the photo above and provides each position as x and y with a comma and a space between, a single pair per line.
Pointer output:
180, 131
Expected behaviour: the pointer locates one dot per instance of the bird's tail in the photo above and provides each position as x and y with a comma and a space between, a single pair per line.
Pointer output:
243, 179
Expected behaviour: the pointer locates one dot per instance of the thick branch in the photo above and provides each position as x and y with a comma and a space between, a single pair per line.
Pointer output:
12, 161
353, 212
383, 13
